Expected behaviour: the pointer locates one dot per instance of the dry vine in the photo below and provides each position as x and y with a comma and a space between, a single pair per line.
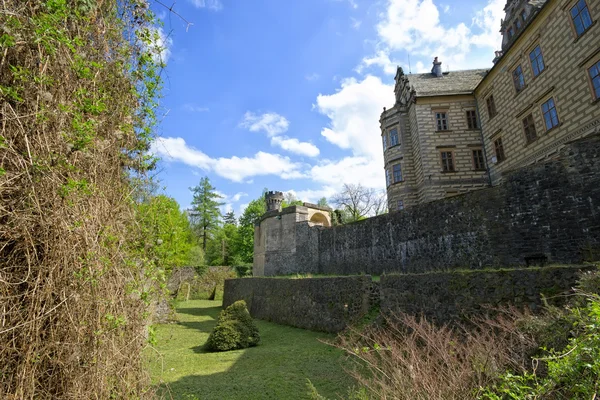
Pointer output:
78, 85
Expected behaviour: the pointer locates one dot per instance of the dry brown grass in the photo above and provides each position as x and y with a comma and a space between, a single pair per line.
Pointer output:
410, 358
72, 323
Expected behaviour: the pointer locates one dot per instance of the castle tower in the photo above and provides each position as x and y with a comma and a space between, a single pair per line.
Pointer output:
274, 200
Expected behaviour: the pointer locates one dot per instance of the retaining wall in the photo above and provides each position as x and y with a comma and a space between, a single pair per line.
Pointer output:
330, 304
320, 304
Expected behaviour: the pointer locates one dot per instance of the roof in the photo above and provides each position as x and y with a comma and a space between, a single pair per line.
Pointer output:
453, 82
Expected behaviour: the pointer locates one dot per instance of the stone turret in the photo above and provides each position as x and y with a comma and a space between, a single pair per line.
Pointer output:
274, 200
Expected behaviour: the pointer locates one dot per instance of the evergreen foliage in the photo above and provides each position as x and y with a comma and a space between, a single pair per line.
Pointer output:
205, 211
235, 329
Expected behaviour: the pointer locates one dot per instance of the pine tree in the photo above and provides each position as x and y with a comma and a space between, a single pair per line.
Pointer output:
205, 212
229, 218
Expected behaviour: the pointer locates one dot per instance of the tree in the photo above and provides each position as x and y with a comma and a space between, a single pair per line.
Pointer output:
168, 230
205, 212
323, 202
380, 202
245, 241
221, 248
290, 199
355, 202
229, 219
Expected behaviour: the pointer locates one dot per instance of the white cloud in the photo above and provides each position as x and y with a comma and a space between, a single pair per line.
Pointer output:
295, 146
414, 26
354, 112
271, 123
381, 59
214, 5
195, 108
312, 77
236, 197
363, 170
355, 23
236, 169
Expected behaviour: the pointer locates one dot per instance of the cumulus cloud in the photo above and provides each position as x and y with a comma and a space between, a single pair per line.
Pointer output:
354, 112
380, 59
295, 146
236, 169
214, 5
414, 26
271, 123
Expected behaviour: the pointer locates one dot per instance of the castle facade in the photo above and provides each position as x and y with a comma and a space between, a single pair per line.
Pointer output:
454, 132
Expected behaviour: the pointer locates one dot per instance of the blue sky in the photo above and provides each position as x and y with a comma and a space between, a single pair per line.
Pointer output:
286, 95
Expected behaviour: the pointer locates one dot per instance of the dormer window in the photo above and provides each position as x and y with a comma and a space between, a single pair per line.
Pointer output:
511, 32
518, 24
523, 15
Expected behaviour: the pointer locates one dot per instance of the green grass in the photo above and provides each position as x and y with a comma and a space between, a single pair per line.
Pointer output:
276, 369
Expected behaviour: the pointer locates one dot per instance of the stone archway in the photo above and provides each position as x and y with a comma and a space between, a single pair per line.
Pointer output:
319, 219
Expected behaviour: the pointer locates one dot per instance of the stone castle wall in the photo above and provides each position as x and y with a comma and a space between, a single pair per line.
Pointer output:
331, 304
320, 304
550, 210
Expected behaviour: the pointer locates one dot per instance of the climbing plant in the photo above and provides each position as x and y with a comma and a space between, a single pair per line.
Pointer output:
79, 87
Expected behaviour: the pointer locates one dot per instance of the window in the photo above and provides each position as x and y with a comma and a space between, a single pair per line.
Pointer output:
523, 15
499, 150
400, 205
595, 77
384, 141
442, 121
393, 137
472, 119
581, 17
478, 161
447, 161
387, 177
537, 61
511, 32
529, 128
491, 106
518, 79
550, 115
397, 169
518, 24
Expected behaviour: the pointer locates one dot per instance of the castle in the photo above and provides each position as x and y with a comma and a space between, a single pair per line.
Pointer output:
516, 141
454, 132
520, 143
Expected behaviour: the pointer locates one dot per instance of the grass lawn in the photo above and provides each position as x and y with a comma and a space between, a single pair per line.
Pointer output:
276, 369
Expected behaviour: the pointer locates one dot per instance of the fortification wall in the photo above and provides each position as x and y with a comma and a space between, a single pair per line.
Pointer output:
550, 209
330, 304
320, 304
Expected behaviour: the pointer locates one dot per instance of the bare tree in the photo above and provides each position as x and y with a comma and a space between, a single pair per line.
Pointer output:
380, 202
355, 201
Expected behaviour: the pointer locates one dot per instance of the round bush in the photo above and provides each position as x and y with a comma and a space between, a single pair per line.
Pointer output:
235, 329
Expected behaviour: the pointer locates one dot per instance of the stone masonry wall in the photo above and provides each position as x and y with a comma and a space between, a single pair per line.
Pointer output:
452, 296
320, 304
330, 304
550, 209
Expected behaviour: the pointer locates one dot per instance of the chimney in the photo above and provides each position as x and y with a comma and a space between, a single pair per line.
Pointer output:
437, 68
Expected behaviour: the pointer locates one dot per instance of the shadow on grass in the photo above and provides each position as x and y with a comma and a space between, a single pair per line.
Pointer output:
279, 368
266, 372
200, 312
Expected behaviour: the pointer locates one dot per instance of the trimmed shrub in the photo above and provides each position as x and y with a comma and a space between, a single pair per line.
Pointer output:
235, 329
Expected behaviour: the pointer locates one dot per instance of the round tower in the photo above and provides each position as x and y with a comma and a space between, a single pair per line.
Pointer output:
274, 200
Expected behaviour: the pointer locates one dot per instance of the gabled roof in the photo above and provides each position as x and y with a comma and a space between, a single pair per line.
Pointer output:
451, 83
